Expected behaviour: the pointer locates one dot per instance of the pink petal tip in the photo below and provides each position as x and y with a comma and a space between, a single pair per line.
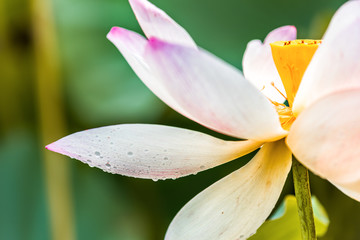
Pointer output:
51, 147
115, 31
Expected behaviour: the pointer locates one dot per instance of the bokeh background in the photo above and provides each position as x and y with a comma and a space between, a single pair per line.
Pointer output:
59, 74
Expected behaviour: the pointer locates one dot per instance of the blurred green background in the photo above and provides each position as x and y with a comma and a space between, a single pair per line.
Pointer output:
59, 74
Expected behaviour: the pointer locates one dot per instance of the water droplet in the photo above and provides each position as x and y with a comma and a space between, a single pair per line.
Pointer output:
146, 150
165, 158
97, 153
108, 165
155, 179
111, 143
165, 150
89, 161
202, 167
130, 153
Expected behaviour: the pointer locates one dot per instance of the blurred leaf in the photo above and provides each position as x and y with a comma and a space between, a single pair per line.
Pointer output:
22, 202
106, 210
285, 224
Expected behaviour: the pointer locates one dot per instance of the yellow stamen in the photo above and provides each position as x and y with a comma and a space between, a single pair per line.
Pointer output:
273, 84
286, 115
291, 59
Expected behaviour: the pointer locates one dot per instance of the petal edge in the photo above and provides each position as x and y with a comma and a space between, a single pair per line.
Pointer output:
235, 206
150, 151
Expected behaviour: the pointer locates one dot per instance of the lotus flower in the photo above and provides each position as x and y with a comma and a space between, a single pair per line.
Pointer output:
320, 126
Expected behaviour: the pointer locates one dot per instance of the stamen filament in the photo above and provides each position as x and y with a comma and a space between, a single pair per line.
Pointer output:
273, 84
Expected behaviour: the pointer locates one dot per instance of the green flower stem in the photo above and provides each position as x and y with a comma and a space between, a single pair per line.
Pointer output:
303, 199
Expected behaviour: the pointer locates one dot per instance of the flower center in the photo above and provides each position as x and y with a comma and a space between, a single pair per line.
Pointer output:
291, 60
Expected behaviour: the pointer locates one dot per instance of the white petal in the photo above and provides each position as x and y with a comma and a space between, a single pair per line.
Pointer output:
326, 137
335, 65
156, 23
258, 63
214, 93
348, 190
284, 33
132, 47
150, 151
235, 206
347, 13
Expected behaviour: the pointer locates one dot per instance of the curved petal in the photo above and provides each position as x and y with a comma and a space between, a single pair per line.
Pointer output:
156, 23
335, 66
326, 137
347, 13
284, 33
349, 189
235, 206
258, 63
150, 151
132, 46
213, 92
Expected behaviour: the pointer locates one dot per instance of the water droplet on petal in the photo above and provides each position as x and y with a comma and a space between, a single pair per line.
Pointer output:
108, 165
165, 158
155, 179
130, 153
97, 153
202, 167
